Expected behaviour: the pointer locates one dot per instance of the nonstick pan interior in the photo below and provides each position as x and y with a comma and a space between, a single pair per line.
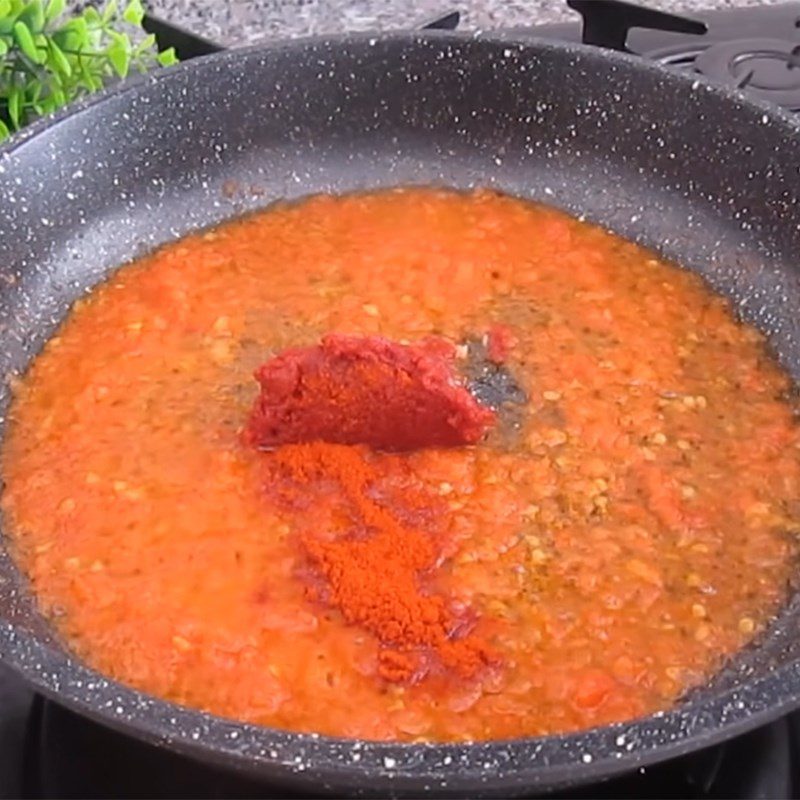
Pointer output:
704, 177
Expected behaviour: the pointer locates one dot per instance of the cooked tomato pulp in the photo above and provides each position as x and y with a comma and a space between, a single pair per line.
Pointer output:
629, 530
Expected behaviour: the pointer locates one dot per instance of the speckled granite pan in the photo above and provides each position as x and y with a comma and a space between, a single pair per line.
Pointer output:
700, 174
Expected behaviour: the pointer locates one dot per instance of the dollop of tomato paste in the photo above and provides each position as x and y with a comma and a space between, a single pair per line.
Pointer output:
366, 390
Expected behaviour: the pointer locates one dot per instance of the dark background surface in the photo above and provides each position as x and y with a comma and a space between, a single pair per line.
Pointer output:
15, 703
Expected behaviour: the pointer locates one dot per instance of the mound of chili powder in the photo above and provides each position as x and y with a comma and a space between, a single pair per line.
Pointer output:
366, 390
374, 563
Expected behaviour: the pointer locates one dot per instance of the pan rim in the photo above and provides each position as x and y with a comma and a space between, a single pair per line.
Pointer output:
594, 753
527, 761
504, 36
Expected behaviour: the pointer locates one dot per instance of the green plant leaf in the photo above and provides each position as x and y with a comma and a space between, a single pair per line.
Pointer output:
85, 74
4, 131
119, 37
45, 106
167, 57
73, 35
145, 44
120, 58
92, 16
58, 59
24, 39
48, 60
85, 82
14, 105
33, 16
55, 8
134, 12
110, 11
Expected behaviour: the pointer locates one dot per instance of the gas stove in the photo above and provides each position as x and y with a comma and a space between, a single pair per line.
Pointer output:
753, 48
50, 752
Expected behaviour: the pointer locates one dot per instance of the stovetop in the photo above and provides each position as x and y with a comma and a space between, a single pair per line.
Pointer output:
47, 751
756, 49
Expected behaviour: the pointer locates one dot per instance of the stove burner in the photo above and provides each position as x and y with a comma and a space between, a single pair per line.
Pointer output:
768, 68
680, 56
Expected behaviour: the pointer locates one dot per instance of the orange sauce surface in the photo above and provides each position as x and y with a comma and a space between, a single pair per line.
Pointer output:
632, 533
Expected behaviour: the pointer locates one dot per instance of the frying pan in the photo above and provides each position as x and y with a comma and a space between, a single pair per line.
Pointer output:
699, 173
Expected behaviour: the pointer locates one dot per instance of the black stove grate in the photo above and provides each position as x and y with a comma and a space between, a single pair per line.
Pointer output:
755, 49
607, 23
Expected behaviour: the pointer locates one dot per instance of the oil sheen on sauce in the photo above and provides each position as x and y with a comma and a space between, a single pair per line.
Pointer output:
631, 530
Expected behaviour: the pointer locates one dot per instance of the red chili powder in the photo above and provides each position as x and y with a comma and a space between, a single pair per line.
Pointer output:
375, 566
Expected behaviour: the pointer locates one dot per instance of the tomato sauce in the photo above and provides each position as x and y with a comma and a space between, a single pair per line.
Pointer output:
626, 531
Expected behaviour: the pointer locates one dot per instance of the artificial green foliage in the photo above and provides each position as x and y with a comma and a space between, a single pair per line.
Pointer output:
48, 59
